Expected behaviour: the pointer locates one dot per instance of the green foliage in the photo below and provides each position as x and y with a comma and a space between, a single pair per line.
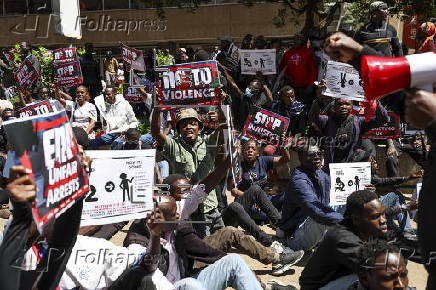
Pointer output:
46, 61
143, 126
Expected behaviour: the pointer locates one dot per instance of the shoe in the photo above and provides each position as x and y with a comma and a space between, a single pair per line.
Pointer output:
276, 285
277, 246
410, 235
287, 260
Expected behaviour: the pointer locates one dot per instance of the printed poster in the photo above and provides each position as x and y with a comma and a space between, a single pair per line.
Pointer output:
343, 81
345, 178
254, 60
122, 193
67, 70
132, 58
40, 108
26, 76
188, 84
46, 145
132, 95
389, 130
265, 126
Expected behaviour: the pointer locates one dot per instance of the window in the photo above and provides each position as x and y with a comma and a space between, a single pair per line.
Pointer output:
116, 4
39, 6
89, 5
15, 6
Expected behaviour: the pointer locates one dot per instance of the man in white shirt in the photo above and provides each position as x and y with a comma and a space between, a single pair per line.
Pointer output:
116, 115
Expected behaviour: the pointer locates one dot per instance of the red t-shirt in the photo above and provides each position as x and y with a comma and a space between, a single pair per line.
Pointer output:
301, 67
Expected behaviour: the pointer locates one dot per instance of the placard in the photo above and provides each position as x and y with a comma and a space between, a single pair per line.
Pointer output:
265, 126
122, 193
389, 130
345, 178
258, 60
343, 81
26, 76
66, 66
132, 58
46, 145
132, 95
188, 84
40, 108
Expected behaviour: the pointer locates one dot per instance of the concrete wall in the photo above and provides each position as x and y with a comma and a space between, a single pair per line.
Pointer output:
142, 26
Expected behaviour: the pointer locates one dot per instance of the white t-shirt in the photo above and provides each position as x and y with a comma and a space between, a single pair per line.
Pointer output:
80, 115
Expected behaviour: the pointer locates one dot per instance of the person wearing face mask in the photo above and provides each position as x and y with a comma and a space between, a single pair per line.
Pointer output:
83, 113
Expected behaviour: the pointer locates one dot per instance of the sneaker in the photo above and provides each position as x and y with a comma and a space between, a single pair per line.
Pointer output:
287, 260
277, 246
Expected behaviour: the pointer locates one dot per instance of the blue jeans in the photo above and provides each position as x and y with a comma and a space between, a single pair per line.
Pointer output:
164, 168
393, 199
229, 271
105, 139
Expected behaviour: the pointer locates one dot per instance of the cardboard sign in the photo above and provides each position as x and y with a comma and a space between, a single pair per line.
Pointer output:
265, 126
188, 84
40, 108
132, 95
132, 58
345, 178
46, 145
389, 130
64, 55
68, 75
254, 60
123, 193
26, 76
343, 81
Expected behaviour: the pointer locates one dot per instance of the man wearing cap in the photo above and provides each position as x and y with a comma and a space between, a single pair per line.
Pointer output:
378, 34
191, 155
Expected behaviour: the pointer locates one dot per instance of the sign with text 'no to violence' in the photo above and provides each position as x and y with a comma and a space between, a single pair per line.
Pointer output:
188, 84
265, 126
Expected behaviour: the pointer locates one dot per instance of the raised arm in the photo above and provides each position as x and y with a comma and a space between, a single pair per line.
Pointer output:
155, 127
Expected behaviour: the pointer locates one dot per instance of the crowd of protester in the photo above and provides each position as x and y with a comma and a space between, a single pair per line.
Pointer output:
364, 244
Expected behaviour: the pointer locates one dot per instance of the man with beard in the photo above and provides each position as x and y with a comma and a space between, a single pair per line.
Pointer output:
306, 214
343, 129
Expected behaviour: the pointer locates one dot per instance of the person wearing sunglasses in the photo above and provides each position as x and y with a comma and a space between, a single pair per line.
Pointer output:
306, 214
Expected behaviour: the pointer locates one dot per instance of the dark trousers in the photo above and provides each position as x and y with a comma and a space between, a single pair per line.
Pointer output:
392, 162
236, 214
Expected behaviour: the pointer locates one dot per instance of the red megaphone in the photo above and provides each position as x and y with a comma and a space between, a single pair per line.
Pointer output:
382, 76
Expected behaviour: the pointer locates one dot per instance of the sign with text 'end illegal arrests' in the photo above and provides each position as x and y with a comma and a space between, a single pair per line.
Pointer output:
46, 145
122, 193
188, 84
265, 126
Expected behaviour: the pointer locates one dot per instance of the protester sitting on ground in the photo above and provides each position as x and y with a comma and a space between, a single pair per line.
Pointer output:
117, 117
132, 141
288, 107
343, 128
83, 113
382, 265
306, 211
334, 263
229, 236
193, 156
176, 246
254, 170
21, 270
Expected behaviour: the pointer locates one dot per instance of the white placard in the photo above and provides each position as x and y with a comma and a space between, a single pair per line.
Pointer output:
121, 186
343, 81
345, 178
254, 60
